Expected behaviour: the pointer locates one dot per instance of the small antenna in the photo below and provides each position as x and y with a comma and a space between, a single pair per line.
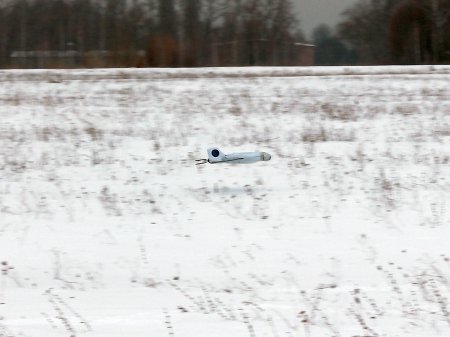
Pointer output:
201, 161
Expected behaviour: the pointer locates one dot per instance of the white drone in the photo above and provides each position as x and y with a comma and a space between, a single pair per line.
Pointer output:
215, 156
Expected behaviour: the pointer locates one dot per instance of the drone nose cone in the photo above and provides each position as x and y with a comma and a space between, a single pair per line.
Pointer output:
265, 156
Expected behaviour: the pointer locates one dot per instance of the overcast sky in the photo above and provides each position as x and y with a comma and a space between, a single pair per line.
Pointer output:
314, 12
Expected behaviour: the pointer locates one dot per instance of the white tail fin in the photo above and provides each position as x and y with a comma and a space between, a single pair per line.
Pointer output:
215, 155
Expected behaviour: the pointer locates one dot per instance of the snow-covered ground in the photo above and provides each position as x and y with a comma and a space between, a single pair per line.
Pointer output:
108, 229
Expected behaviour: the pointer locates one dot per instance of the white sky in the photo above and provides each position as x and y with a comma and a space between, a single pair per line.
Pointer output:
314, 12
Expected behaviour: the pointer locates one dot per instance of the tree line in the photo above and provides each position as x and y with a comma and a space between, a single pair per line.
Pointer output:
220, 32
170, 32
388, 32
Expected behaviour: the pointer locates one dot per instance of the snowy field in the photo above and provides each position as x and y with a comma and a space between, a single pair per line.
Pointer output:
108, 229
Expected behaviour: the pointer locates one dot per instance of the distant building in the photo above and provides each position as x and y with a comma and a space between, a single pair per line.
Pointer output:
235, 53
44, 59
306, 54
262, 52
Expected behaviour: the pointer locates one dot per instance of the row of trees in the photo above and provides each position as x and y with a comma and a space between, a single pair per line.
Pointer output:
219, 32
171, 32
397, 31
199, 32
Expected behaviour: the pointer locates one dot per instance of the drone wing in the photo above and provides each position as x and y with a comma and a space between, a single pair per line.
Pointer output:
225, 160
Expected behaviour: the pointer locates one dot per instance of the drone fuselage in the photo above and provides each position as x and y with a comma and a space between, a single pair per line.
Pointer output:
215, 156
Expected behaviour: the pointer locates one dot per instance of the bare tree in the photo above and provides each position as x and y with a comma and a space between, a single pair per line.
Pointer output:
398, 31
191, 32
366, 28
